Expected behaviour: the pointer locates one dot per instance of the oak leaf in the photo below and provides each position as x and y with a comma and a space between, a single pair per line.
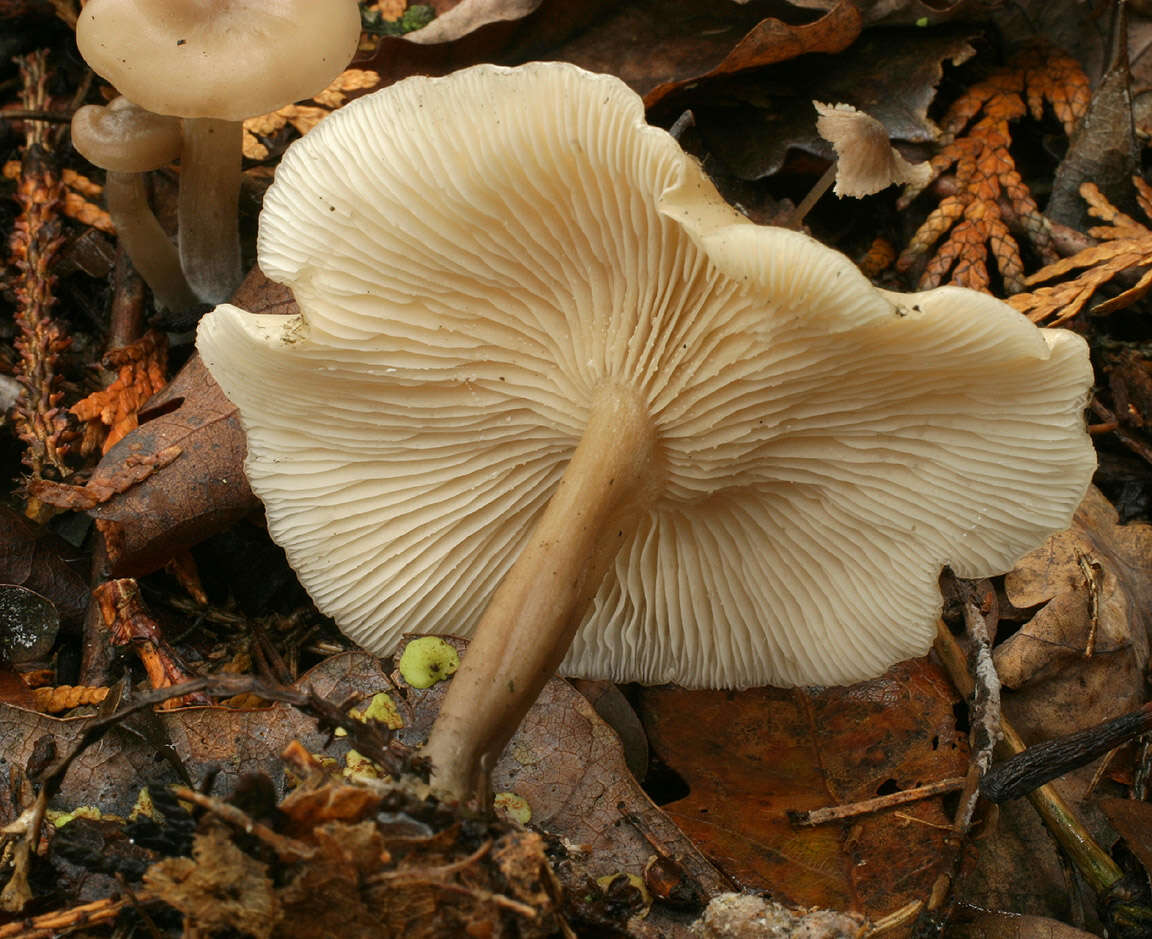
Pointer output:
989, 192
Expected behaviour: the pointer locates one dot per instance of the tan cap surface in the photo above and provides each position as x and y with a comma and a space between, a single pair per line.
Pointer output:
227, 59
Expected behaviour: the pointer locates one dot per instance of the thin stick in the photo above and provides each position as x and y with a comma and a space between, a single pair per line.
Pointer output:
35, 114
823, 184
1093, 862
835, 813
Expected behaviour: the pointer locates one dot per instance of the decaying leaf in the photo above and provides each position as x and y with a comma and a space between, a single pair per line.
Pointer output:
564, 762
34, 557
201, 490
1081, 659
696, 39
218, 888
749, 757
752, 123
1125, 244
970, 224
1104, 149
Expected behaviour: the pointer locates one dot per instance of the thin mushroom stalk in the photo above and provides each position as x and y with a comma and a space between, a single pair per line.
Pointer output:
528, 625
152, 252
209, 233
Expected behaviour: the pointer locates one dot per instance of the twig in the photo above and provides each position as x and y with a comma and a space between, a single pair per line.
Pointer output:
1093, 862
35, 114
896, 919
39, 420
986, 717
835, 813
50, 925
1042, 762
286, 848
1136, 446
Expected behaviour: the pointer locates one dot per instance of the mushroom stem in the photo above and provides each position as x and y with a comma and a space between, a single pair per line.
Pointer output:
208, 208
823, 184
145, 241
533, 615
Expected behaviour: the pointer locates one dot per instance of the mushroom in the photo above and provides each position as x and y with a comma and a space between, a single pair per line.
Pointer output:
548, 390
128, 141
215, 64
865, 160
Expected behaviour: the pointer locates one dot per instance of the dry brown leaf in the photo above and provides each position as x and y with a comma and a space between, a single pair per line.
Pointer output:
1125, 244
750, 757
159, 516
1081, 659
969, 225
35, 557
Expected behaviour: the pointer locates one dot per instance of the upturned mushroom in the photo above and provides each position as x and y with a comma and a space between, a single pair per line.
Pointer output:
215, 64
547, 390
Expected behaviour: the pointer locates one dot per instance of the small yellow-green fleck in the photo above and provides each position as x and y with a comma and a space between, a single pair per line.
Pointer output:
144, 807
357, 766
427, 660
923, 21
60, 819
513, 807
380, 708
634, 879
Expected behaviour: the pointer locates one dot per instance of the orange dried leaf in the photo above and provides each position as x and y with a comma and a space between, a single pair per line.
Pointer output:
124, 613
111, 413
880, 256
970, 225
305, 117
65, 697
1125, 244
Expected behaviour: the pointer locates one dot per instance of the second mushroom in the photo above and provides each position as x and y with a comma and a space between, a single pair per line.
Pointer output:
547, 390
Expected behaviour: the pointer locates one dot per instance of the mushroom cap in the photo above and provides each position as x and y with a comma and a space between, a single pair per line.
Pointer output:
475, 255
226, 59
867, 161
126, 138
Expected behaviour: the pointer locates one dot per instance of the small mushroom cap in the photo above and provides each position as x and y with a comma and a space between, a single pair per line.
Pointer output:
126, 138
226, 59
475, 255
867, 161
